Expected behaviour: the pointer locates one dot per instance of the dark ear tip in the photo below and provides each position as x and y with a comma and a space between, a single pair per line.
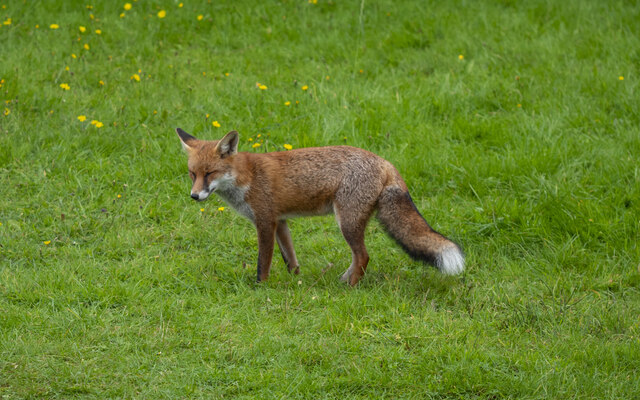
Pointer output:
179, 130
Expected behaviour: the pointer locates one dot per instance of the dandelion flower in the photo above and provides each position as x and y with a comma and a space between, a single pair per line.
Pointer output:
47, 242
220, 208
65, 86
287, 146
97, 123
305, 87
216, 124
73, 55
135, 77
86, 46
82, 29
621, 77
460, 57
121, 15
127, 6
180, 5
287, 103
263, 87
7, 22
162, 14
519, 105
200, 17
256, 145
54, 26
202, 210
6, 111
82, 118
101, 83
98, 31
119, 196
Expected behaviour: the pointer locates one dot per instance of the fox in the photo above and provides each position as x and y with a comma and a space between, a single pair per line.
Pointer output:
352, 183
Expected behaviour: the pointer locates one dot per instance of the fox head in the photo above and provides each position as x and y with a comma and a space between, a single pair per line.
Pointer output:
209, 162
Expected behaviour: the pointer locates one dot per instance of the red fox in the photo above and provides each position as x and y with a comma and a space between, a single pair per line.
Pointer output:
352, 183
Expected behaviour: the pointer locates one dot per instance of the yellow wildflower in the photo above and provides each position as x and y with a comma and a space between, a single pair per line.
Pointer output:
288, 146
73, 56
47, 242
135, 77
119, 196
263, 87
287, 103
621, 77
220, 208
216, 124
460, 57
127, 6
202, 210
86, 46
162, 14
97, 124
6, 111
65, 86
7, 22
121, 15
98, 31
101, 83
180, 5
305, 87
256, 145
200, 17
54, 26
82, 29
82, 118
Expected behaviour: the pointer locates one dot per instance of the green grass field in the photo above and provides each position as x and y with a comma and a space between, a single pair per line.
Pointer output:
515, 124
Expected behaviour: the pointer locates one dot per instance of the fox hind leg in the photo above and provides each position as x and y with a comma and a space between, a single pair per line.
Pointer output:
353, 228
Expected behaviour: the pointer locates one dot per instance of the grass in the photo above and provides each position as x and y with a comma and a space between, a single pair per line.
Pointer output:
515, 125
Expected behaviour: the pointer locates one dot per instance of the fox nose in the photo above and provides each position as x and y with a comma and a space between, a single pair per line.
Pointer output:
195, 196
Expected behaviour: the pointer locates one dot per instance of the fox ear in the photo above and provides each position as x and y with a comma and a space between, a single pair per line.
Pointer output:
187, 140
228, 145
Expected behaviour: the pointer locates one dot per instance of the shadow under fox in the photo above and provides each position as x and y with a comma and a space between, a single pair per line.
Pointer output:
351, 183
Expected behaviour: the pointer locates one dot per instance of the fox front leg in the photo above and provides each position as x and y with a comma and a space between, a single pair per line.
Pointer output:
266, 236
283, 237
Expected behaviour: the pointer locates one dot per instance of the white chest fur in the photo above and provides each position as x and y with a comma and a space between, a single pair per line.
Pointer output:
234, 195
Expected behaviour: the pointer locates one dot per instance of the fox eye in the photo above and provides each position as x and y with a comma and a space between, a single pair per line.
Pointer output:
192, 176
208, 174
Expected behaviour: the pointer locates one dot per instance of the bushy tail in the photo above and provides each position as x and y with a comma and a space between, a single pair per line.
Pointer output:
404, 223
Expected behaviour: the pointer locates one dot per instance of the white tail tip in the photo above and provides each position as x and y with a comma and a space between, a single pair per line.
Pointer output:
450, 261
